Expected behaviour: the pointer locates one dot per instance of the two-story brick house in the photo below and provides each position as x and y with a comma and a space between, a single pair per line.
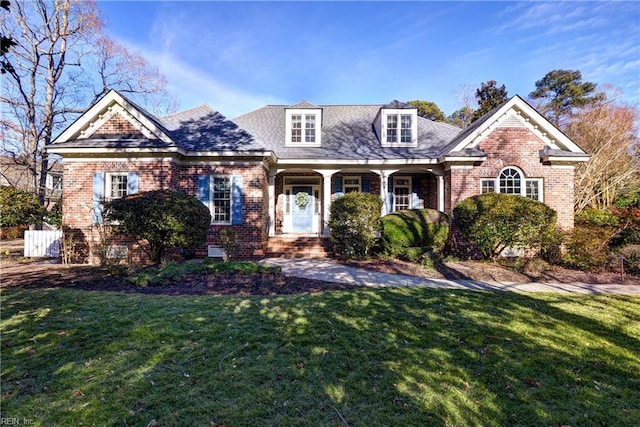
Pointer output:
273, 173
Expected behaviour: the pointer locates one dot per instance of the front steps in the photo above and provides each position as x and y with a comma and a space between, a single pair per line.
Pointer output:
296, 246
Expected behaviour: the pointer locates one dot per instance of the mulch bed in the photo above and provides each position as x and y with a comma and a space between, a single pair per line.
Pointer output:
90, 278
44, 274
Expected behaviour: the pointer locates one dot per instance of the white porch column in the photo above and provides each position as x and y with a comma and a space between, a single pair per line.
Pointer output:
440, 193
384, 187
326, 197
272, 203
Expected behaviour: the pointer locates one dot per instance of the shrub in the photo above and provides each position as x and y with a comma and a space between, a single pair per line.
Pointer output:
355, 224
628, 225
588, 244
163, 219
229, 243
175, 273
54, 216
423, 228
19, 208
631, 258
492, 222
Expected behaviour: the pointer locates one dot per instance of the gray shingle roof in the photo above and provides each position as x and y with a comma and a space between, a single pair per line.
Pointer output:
303, 104
204, 129
347, 133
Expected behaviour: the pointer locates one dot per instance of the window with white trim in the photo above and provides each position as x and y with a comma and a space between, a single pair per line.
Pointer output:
405, 128
512, 181
223, 195
509, 181
116, 185
303, 127
488, 186
352, 184
221, 199
401, 194
399, 127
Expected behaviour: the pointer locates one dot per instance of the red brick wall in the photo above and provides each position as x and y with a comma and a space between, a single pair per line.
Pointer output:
155, 175
520, 148
252, 234
117, 125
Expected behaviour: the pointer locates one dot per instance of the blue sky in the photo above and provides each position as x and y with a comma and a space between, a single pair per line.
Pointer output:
239, 56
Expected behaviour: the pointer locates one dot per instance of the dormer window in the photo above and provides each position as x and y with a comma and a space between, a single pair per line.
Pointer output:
399, 127
306, 121
303, 126
402, 133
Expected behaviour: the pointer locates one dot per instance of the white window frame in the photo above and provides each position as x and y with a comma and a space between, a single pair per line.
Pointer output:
408, 186
539, 182
54, 182
307, 116
212, 200
355, 187
524, 181
398, 113
108, 182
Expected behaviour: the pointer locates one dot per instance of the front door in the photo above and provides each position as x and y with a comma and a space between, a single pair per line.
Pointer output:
302, 209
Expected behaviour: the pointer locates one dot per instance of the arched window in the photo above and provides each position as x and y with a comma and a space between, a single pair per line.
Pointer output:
512, 181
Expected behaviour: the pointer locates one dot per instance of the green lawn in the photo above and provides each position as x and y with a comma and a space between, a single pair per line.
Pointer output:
387, 357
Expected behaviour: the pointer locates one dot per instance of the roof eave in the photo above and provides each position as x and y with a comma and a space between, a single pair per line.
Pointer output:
565, 159
157, 151
455, 159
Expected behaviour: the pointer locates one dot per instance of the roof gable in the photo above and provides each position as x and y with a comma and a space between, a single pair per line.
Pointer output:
303, 105
113, 105
513, 113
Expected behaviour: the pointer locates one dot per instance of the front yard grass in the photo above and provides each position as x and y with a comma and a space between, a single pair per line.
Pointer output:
384, 357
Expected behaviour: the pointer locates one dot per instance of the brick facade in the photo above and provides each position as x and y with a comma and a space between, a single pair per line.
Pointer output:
178, 164
156, 175
117, 125
520, 148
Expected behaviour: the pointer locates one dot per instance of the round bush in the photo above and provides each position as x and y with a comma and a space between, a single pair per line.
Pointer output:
492, 222
424, 228
164, 219
355, 225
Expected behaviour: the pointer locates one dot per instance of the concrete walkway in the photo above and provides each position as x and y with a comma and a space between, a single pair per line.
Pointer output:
331, 271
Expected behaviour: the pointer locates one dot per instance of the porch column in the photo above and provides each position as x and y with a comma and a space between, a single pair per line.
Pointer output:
440, 193
326, 197
384, 189
272, 203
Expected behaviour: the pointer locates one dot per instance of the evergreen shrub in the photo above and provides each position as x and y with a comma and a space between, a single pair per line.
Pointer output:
19, 208
163, 219
404, 231
492, 222
355, 225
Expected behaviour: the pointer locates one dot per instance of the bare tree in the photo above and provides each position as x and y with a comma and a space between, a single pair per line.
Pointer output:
462, 117
609, 132
129, 72
44, 35
60, 64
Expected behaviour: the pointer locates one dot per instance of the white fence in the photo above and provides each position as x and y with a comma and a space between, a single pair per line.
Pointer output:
42, 243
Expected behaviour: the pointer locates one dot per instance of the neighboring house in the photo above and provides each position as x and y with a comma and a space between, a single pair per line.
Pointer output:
17, 175
274, 172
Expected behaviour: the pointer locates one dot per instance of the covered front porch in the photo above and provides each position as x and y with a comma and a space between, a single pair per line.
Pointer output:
300, 198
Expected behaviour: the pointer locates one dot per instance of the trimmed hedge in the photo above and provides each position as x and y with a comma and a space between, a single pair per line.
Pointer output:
415, 228
492, 222
355, 225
